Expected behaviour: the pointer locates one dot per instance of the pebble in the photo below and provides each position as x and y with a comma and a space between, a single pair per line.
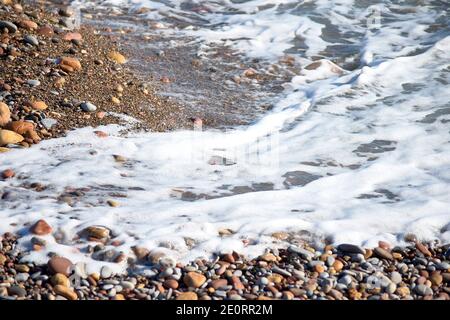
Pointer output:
187, 296
46, 31
423, 290
66, 292
8, 173
350, 248
383, 253
22, 277
301, 252
106, 272
281, 271
17, 291
41, 228
194, 279
29, 39
5, 114
60, 265
396, 277
60, 279
12, 28
117, 57
9, 137
88, 107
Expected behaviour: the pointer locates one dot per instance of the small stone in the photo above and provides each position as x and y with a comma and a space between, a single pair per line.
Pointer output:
117, 57
301, 252
29, 39
60, 265
34, 83
88, 107
72, 36
106, 272
12, 28
112, 203
41, 228
268, 257
382, 253
275, 278
2, 259
65, 292
141, 253
410, 237
219, 283
97, 232
280, 235
237, 284
37, 105
46, 31
28, 25
194, 279
171, 283
22, 277
423, 290
73, 63
100, 115
119, 158
350, 248
17, 291
115, 100
66, 12
8, 173
187, 296
436, 278
60, 279
403, 291
396, 277
422, 248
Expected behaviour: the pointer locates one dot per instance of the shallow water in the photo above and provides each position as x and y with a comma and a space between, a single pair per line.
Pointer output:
355, 150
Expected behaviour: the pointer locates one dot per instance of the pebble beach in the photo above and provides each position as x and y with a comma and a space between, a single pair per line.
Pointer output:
56, 77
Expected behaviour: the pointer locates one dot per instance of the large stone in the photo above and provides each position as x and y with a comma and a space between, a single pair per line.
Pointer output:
25, 129
97, 232
5, 114
141, 253
60, 279
12, 28
28, 24
194, 279
29, 39
41, 228
382, 253
60, 265
65, 292
9, 137
187, 296
350, 248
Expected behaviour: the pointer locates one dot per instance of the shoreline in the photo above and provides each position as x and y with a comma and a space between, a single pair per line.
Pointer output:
345, 272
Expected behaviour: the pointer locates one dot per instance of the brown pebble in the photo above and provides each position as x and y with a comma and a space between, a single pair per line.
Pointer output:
41, 228
8, 173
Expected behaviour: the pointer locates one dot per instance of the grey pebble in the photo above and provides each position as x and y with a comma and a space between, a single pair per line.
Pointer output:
88, 107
